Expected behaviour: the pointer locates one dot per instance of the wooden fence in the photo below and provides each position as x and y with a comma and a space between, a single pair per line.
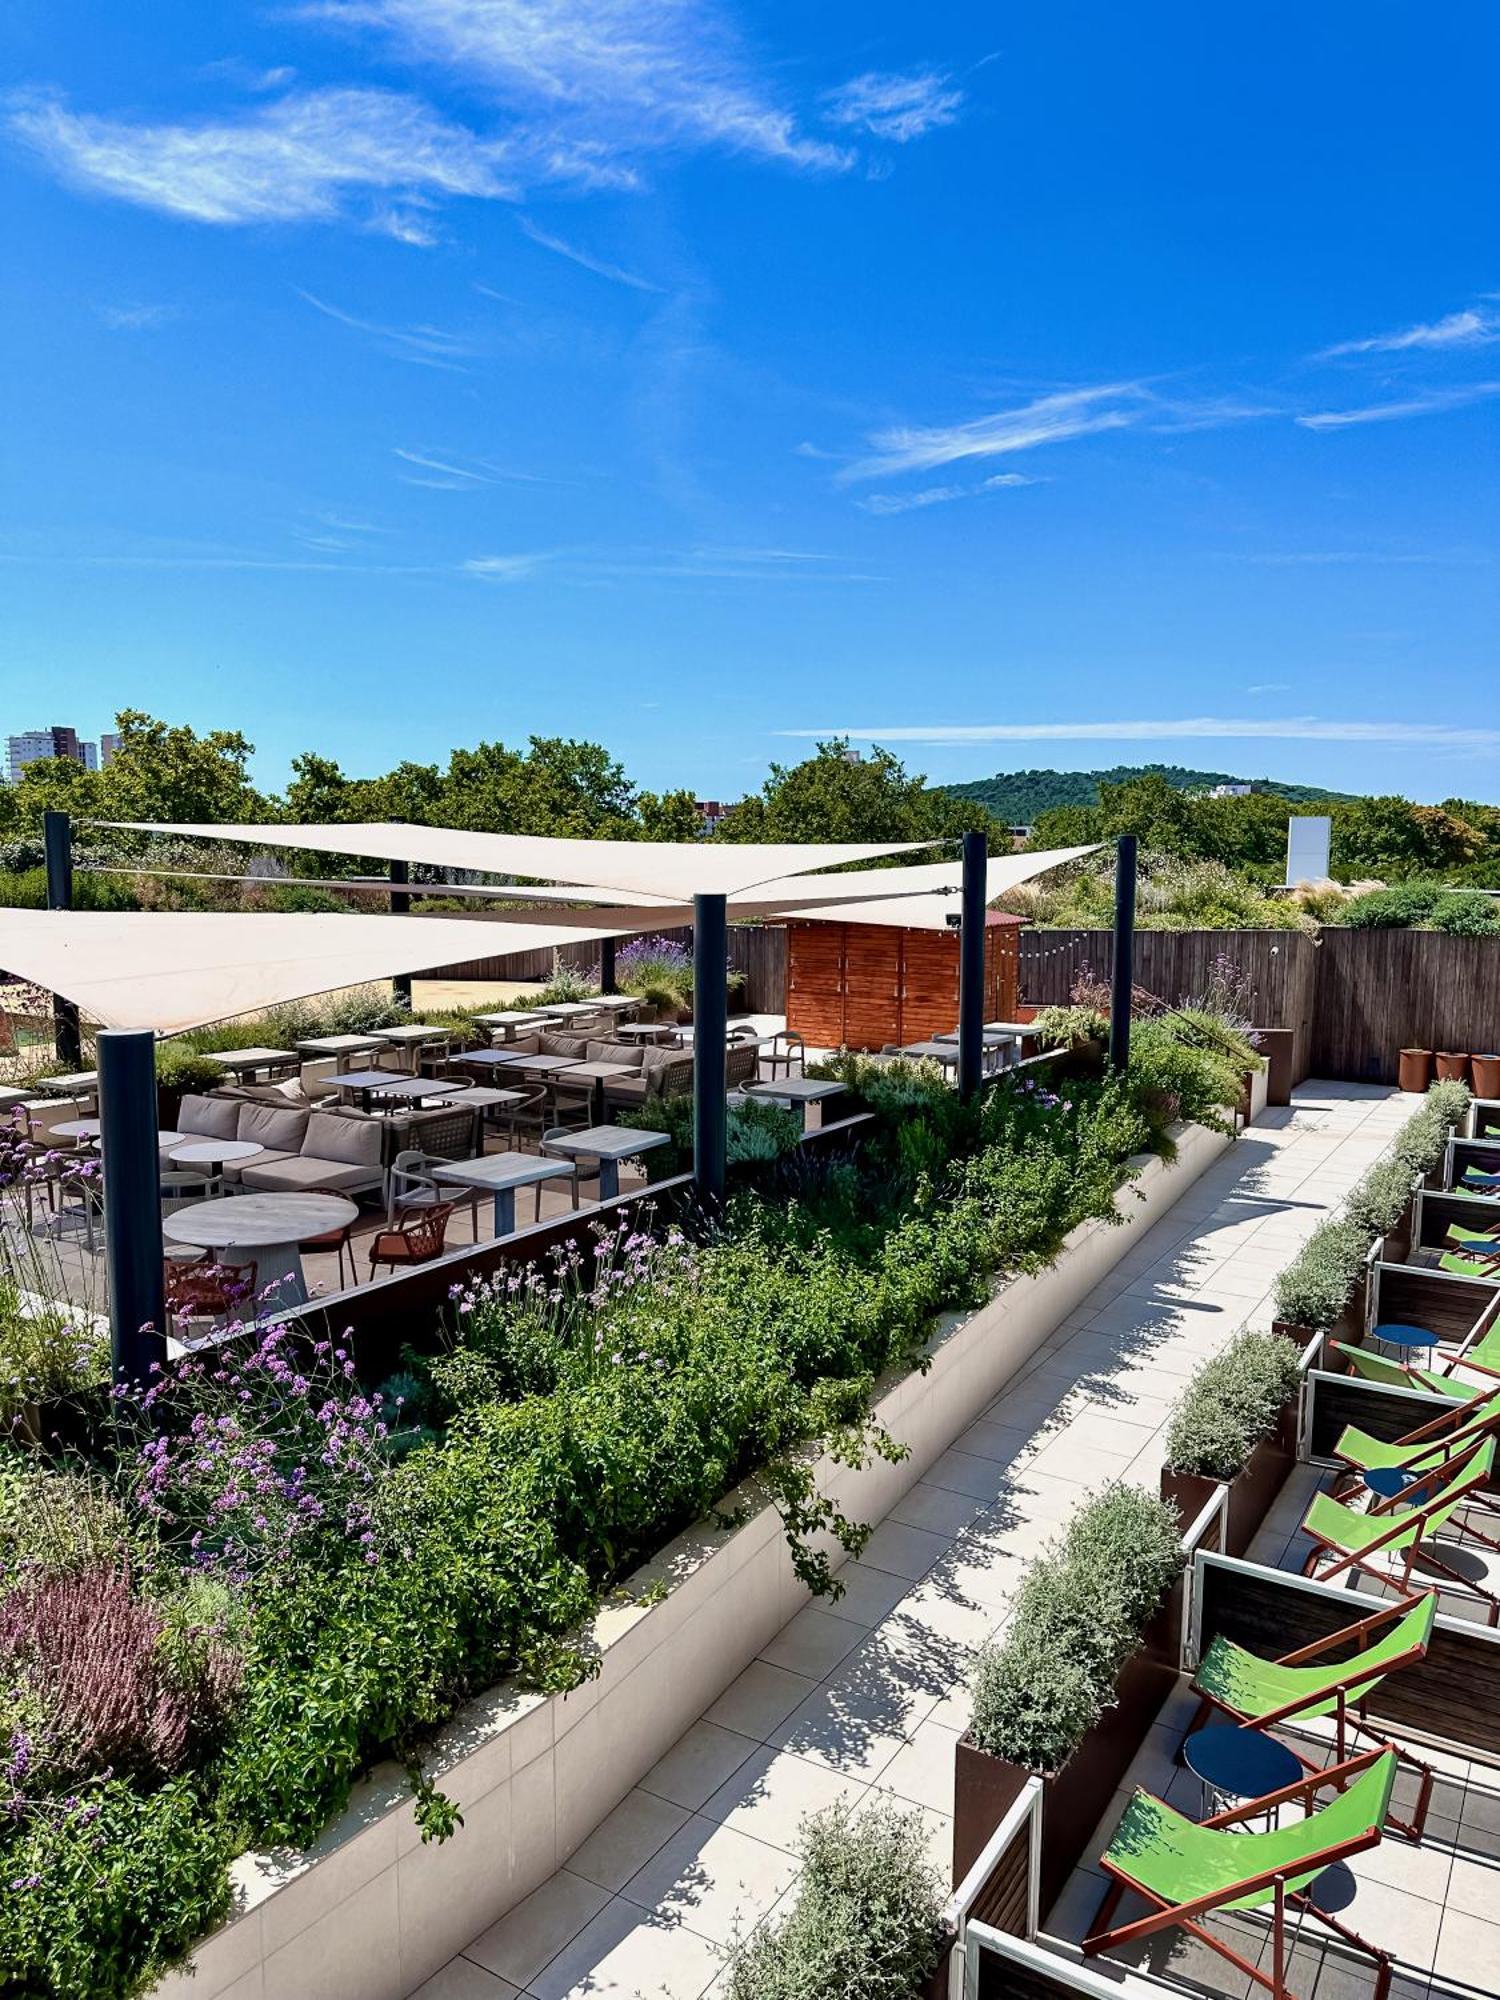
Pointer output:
1354, 999
758, 951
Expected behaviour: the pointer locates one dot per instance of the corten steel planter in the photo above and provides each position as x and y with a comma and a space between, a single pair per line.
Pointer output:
1251, 1491
1277, 1045
1486, 1076
1073, 1798
1452, 1067
1414, 1070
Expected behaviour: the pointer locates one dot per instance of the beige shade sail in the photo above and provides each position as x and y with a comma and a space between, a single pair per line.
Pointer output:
171, 970
930, 911
673, 870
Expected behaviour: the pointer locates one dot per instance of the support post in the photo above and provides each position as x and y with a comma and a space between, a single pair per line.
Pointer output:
400, 907
710, 1023
57, 833
971, 969
1122, 982
132, 1201
607, 966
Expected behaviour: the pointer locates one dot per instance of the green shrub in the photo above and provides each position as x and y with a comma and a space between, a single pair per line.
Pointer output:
1390, 909
45, 1352
1175, 1078
1078, 1615
1232, 1402
180, 1067
1319, 1282
1466, 916
867, 1922
1064, 1027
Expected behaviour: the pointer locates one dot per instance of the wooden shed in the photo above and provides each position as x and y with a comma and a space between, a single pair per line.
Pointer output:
861, 985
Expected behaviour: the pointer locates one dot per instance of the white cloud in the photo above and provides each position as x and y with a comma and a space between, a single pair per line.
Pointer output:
1049, 419
428, 346
1295, 729
898, 108
307, 156
601, 79
136, 318
935, 496
1430, 403
600, 267
1269, 687
1476, 326
503, 569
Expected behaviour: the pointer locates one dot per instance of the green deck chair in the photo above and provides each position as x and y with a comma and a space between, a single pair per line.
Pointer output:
1400, 1531
1431, 1444
1185, 1871
1371, 1367
1304, 1686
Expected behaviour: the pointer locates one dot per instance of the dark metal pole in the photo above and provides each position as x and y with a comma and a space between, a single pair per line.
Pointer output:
607, 966
710, 1023
132, 1201
400, 907
1122, 983
971, 969
57, 832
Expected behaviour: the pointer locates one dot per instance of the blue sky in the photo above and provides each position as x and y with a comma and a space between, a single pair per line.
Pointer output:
1063, 385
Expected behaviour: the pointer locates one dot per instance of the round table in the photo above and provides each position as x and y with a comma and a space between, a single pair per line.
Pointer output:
1386, 1482
214, 1154
263, 1229
1405, 1339
1234, 1764
77, 1128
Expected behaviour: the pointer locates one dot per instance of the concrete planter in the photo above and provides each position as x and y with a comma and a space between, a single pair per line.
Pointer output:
368, 1913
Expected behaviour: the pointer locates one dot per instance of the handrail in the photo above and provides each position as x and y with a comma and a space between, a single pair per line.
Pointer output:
1214, 1509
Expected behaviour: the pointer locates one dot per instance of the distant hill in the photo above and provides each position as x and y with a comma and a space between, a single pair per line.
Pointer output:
1018, 796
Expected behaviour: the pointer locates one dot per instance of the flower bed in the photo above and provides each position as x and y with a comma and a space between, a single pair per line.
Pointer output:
1235, 1425
461, 1530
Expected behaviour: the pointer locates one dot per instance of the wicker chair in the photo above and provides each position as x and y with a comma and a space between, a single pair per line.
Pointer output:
207, 1289
416, 1238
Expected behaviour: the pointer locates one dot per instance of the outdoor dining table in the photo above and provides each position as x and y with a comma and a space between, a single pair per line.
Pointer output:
247, 1062
263, 1229
608, 1144
489, 1058
542, 1065
414, 1090
363, 1081
343, 1048
508, 1026
409, 1040
74, 1085
78, 1128
501, 1174
646, 1031
935, 1051
214, 1154
793, 1090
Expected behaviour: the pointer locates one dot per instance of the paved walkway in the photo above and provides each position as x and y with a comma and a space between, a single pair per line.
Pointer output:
868, 1695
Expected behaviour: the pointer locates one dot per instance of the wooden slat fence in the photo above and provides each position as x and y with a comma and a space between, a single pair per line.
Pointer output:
1382, 991
759, 951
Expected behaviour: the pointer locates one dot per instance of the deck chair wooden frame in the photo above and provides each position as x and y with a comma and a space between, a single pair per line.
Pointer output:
1367, 1779
1341, 1690
1408, 1529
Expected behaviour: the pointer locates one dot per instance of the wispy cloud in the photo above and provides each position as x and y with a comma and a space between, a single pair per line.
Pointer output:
894, 107
1269, 687
937, 496
503, 569
1295, 729
450, 474
310, 155
1050, 419
428, 346
600, 266
598, 81
136, 318
1475, 326
1431, 402
1353, 558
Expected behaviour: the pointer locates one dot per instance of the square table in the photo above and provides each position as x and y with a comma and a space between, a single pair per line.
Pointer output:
489, 1058
942, 1052
594, 1074
246, 1062
804, 1090
542, 1065
408, 1041
608, 1144
76, 1085
414, 1089
501, 1174
508, 1026
343, 1048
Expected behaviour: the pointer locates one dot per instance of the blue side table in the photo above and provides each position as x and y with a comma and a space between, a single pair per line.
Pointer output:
1234, 1764
1407, 1340
1387, 1482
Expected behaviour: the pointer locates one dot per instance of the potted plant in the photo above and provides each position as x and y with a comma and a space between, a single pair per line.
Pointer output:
1235, 1425
181, 1070
1078, 1678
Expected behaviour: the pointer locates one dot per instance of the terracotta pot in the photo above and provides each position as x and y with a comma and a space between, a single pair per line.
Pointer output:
1451, 1067
1415, 1069
1487, 1076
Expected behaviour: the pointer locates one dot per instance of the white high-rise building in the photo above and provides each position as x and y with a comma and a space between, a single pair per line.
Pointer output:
32, 745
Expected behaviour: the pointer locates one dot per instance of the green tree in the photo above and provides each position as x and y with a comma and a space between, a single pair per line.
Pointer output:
167, 771
833, 795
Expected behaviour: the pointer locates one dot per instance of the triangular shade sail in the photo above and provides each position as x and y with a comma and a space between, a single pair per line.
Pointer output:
932, 911
171, 970
675, 870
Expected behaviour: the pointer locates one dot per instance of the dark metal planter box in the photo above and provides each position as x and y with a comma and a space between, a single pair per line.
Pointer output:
1251, 1491
1074, 1798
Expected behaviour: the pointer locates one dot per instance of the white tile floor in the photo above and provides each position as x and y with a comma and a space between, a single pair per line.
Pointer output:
868, 1695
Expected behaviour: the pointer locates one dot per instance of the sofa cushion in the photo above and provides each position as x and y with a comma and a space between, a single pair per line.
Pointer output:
563, 1045
615, 1052
209, 1117
268, 1156
300, 1174
282, 1131
351, 1142
655, 1059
